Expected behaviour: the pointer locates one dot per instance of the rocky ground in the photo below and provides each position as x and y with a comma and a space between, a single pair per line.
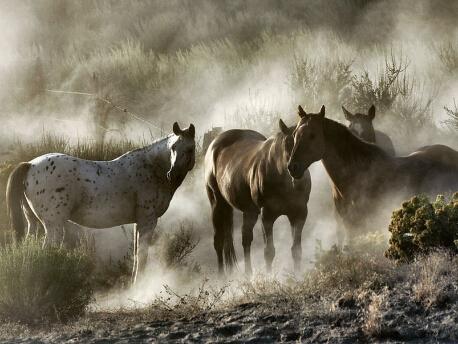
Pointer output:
394, 319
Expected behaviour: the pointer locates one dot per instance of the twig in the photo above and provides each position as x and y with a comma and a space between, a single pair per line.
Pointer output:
109, 102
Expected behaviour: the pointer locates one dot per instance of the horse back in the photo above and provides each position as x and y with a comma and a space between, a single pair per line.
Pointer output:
431, 170
384, 142
439, 154
229, 165
239, 143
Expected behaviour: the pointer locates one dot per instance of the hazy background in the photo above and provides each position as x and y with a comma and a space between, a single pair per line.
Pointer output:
230, 64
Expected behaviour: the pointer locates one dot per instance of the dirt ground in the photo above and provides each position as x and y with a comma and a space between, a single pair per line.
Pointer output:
343, 320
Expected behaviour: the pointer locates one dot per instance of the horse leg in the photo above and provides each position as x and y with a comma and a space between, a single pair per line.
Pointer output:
144, 234
339, 215
297, 224
54, 232
340, 229
268, 220
135, 254
33, 223
249, 220
222, 217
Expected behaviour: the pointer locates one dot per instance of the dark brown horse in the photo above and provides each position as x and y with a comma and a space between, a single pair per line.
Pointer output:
363, 175
248, 172
362, 126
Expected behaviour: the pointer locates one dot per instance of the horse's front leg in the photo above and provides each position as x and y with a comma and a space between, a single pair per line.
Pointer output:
143, 235
249, 220
268, 220
297, 222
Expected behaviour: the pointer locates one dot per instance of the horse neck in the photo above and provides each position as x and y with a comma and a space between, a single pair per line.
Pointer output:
347, 157
274, 158
158, 153
369, 136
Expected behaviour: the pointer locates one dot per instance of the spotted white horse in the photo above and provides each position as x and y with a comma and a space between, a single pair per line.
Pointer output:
136, 187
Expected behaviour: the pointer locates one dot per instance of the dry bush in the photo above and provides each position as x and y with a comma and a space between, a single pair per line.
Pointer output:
316, 83
336, 272
174, 249
43, 284
448, 55
361, 265
452, 114
178, 305
373, 315
254, 114
113, 274
400, 99
434, 279
271, 289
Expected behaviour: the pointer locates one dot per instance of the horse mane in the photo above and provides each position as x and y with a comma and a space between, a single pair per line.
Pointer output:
349, 145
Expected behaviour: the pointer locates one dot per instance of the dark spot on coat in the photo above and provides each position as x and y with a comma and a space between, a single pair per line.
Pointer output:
60, 189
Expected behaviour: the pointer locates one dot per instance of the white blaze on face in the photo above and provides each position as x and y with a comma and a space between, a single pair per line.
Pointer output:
173, 152
358, 128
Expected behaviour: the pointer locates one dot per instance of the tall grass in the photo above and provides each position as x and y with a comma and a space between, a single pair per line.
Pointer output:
84, 149
39, 284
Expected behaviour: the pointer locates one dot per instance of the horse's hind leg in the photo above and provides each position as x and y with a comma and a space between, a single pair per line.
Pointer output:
249, 220
54, 232
268, 220
33, 223
297, 222
222, 217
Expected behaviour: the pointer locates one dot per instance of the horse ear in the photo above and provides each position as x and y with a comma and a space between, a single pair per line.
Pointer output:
283, 127
301, 112
348, 114
176, 129
371, 112
192, 130
322, 111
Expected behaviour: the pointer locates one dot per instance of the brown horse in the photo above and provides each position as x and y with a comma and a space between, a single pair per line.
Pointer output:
363, 175
248, 172
362, 126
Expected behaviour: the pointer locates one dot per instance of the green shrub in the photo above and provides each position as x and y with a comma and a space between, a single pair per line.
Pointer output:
421, 226
39, 284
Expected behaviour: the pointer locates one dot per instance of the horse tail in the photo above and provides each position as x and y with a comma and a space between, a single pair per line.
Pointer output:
15, 198
230, 258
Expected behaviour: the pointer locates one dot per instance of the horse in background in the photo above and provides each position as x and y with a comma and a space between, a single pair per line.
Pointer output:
246, 171
362, 126
136, 187
365, 179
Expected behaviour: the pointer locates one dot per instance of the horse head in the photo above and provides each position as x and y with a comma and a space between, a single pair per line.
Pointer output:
309, 142
182, 152
361, 124
287, 140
